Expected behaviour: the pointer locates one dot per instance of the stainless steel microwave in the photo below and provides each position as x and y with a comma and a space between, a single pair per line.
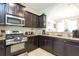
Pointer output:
14, 20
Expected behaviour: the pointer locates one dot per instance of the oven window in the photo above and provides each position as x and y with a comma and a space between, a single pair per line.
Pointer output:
13, 20
17, 47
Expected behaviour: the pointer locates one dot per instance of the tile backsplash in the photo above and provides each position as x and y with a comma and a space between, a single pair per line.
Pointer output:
22, 29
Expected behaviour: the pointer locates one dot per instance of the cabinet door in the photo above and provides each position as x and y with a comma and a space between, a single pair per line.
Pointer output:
31, 20
34, 20
2, 13
28, 19
8, 52
19, 10
32, 43
42, 21
58, 47
49, 44
46, 43
36, 41
15, 9
37, 18
27, 46
41, 42
11, 8
2, 48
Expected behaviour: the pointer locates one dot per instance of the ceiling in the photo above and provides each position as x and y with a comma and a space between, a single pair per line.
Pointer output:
39, 6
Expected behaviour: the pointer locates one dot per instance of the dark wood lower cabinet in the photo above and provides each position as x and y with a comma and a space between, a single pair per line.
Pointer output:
41, 42
58, 48
54, 45
51, 44
47, 44
2, 48
27, 46
8, 53
32, 43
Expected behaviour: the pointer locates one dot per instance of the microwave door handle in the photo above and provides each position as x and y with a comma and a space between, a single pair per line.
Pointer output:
6, 20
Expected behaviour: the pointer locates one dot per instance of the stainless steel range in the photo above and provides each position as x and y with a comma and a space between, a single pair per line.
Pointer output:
13, 37
15, 42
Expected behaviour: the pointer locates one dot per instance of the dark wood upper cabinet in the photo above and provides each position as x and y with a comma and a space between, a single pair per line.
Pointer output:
2, 13
19, 10
15, 9
11, 8
42, 21
31, 20
35, 21
28, 19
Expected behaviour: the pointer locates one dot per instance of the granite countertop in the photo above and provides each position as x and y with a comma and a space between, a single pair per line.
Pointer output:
30, 35
2, 38
68, 38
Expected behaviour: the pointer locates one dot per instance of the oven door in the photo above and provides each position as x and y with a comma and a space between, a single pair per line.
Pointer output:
16, 49
13, 20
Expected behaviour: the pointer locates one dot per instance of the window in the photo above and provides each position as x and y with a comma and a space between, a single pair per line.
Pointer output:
71, 24
60, 26
64, 25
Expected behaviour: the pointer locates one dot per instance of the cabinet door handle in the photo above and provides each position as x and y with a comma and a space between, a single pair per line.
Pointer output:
64, 41
2, 47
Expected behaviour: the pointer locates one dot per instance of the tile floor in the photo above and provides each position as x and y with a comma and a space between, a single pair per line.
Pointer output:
37, 52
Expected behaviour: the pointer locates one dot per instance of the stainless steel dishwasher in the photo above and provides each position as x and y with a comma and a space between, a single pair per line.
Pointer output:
72, 48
